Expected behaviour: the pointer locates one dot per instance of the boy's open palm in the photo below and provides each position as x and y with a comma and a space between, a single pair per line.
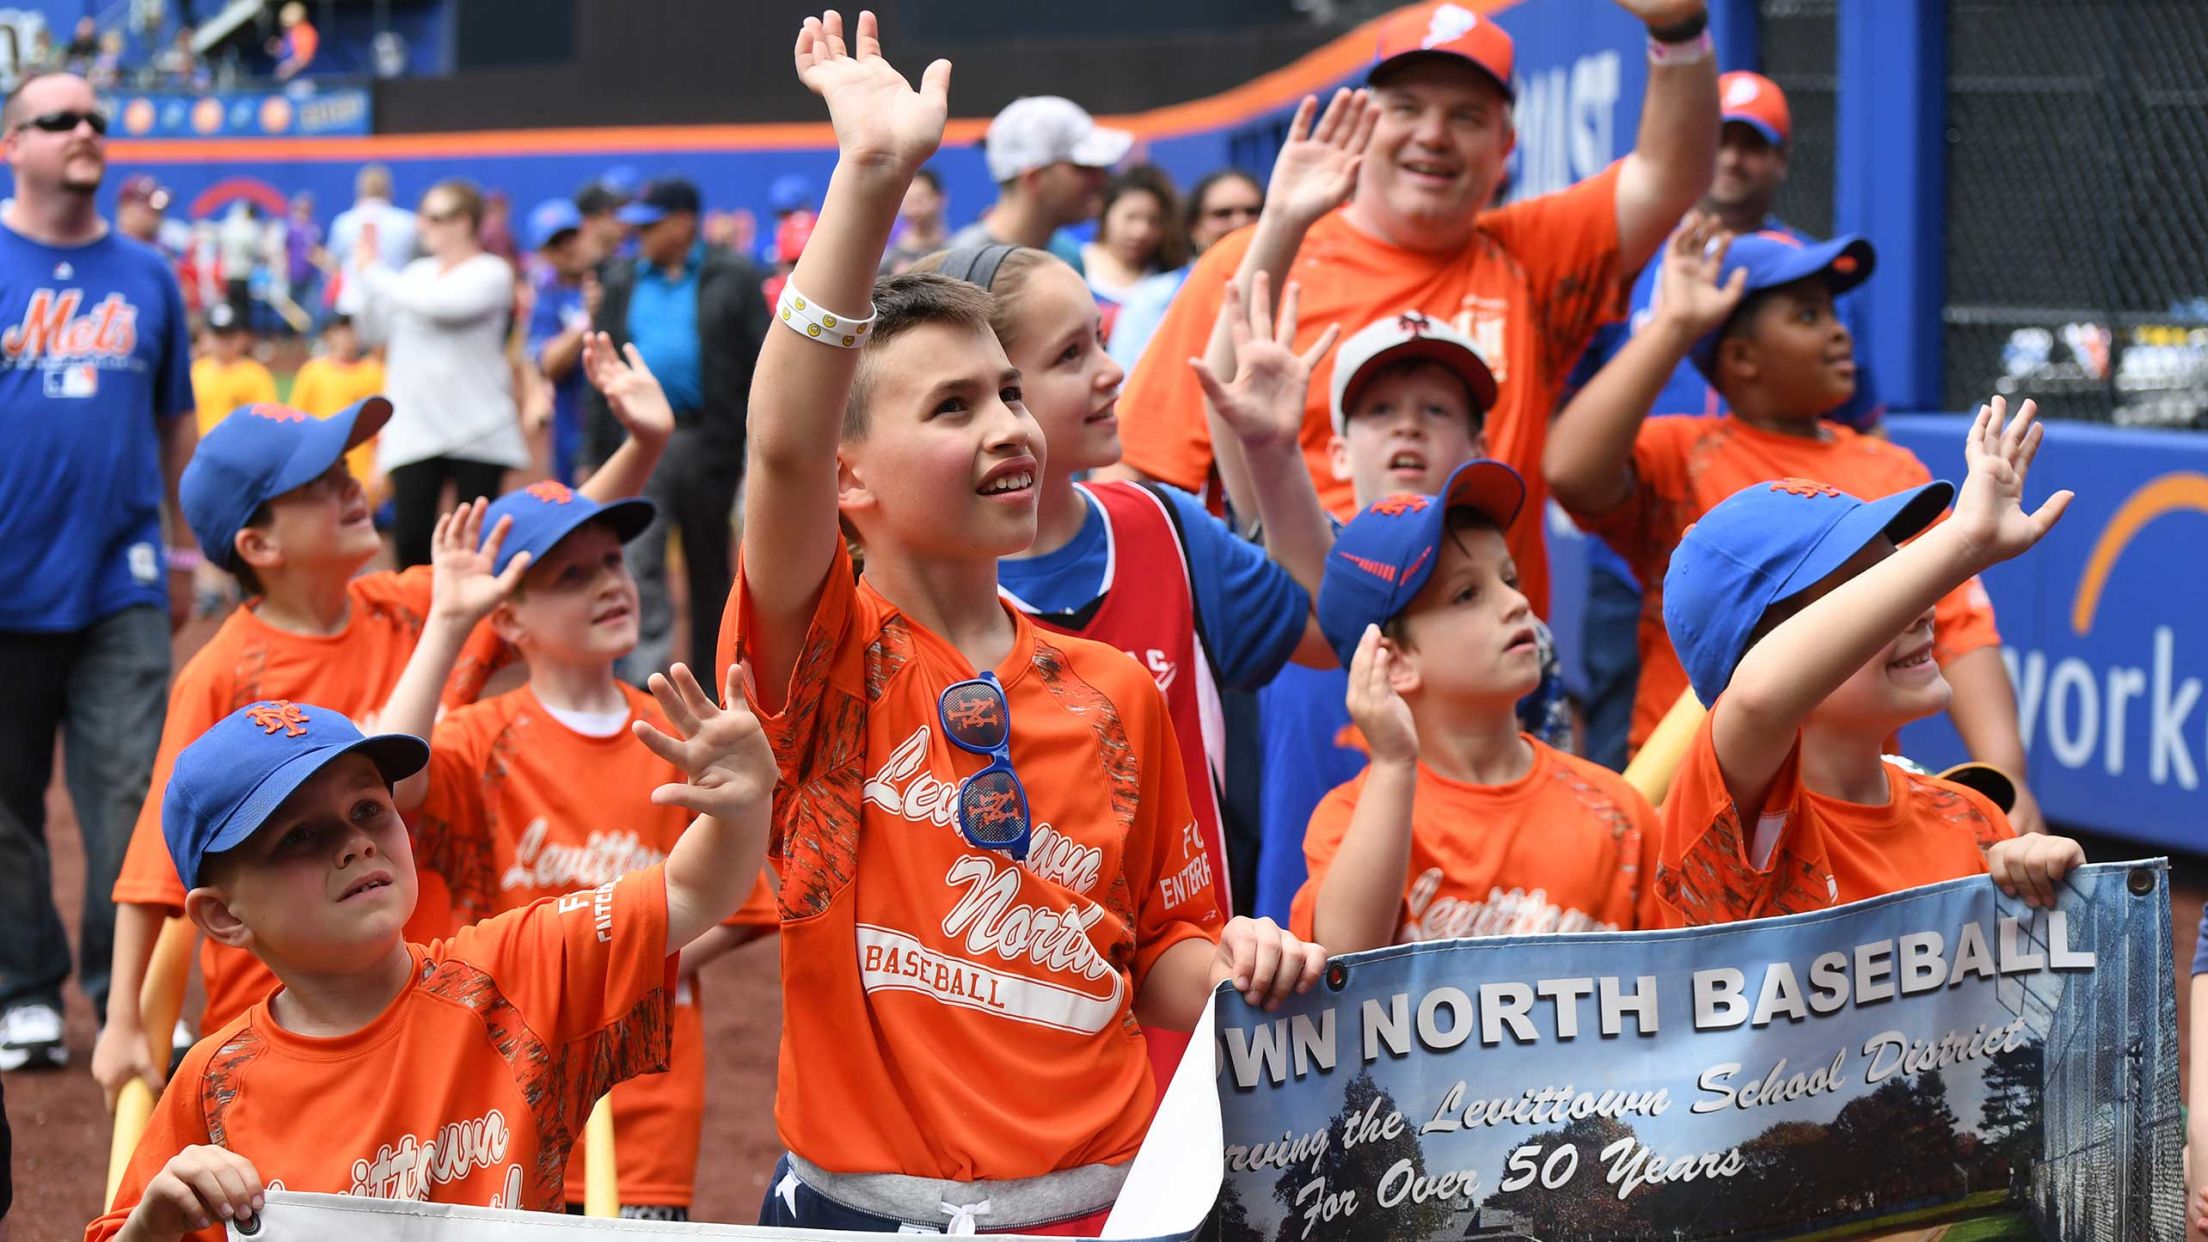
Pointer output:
1317, 167
632, 392
462, 585
1264, 404
1378, 711
721, 749
1990, 511
1688, 288
877, 115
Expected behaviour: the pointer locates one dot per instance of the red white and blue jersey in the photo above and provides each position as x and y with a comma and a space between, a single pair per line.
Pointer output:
94, 353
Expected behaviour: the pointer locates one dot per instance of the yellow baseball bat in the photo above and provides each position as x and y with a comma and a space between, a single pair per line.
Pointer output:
160, 1001
601, 1179
1652, 769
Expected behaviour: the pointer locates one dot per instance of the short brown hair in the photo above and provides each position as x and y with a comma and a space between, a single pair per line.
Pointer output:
1006, 286
904, 302
465, 196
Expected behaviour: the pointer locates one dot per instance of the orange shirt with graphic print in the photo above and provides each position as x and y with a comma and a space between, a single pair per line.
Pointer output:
521, 807
1807, 851
470, 1087
1683, 466
948, 1012
247, 660
1530, 288
1568, 847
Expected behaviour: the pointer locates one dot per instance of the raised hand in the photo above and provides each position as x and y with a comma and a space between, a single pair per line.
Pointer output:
1317, 166
632, 391
462, 585
1378, 711
1263, 406
1688, 291
877, 115
1989, 513
722, 750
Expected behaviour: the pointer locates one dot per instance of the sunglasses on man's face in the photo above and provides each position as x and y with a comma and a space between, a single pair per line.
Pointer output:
992, 804
65, 122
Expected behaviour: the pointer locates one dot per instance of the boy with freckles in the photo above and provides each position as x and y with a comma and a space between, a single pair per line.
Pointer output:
981, 830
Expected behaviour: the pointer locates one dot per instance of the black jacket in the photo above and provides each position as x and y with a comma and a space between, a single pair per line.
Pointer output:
732, 324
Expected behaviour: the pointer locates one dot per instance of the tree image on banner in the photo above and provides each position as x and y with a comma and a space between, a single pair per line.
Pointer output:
1338, 1202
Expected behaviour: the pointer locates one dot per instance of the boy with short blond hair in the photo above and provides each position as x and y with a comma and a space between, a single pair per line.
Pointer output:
1463, 824
489, 1047
988, 864
1804, 617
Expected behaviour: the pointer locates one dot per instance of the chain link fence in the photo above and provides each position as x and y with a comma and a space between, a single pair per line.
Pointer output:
2077, 212
1800, 54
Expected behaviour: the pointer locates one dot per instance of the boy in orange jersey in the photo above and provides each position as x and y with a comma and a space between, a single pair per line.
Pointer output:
1811, 638
990, 871
1463, 825
539, 791
335, 378
269, 497
1757, 317
458, 1071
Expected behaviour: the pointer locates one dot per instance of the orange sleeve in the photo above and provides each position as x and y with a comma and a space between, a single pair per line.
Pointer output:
1962, 622
592, 969
197, 701
177, 1123
812, 711
452, 826
1567, 242
1162, 428
1164, 856
1705, 874
1322, 840
482, 655
1645, 527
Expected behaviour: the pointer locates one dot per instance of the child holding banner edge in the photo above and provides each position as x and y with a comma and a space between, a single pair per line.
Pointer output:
1804, 617
982, 832
1463, 825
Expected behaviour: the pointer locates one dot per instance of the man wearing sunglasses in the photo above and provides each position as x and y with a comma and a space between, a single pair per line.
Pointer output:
95, 405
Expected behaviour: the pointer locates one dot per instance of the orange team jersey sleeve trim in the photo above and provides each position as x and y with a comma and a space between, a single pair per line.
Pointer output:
1807, 851
1588, 865
503, 1038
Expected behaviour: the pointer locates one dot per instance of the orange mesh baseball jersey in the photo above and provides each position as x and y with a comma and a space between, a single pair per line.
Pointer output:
949, 1012
471, 1087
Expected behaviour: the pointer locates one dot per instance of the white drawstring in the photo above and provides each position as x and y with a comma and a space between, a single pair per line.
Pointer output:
962, 1217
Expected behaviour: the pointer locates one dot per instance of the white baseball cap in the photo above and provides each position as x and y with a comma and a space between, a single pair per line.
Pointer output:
1409, 335
1039, 130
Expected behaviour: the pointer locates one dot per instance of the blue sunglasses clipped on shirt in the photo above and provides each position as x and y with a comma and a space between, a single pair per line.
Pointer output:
992, 803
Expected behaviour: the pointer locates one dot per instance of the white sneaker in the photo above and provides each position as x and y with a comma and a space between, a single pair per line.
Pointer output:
30, 1038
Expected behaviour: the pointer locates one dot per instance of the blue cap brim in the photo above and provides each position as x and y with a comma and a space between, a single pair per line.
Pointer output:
1898, 517
639, 215
628, 518
327, 440
1758, 124
396, 756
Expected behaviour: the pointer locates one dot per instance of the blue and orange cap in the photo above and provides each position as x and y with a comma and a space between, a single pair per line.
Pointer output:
1764, 544
258, 453
1445, 31
226, 784
1756, 101
546, 512
1387, 552
1771, 259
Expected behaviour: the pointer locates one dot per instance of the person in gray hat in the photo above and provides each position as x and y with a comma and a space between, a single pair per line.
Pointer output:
1050, 160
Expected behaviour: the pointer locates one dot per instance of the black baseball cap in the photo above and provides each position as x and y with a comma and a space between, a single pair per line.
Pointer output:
597, 198
658, 200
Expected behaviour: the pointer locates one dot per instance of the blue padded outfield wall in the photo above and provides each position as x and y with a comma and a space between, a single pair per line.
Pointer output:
2103, 624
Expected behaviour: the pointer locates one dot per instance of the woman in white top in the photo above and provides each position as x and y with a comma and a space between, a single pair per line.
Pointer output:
1137, 233
444, 319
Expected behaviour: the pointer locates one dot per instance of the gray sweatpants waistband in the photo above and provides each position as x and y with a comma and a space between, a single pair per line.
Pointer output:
1017, 1204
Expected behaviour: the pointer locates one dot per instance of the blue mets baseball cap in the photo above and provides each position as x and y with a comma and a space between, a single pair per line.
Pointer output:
790, 192
546, 512
1386, 553
225, 785
257, 454
1771, 259
550, 218
1765, 543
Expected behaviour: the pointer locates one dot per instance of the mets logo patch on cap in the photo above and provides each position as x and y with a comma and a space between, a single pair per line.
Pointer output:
279, 714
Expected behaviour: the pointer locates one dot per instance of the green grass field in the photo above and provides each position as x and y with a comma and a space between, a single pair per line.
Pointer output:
1983, 1217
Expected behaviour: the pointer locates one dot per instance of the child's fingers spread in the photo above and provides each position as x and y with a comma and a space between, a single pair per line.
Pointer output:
1284, 323
660, 744
693, 695
1300, 124
1318, 351
510, 577
670, 702
1261, 306
869, 41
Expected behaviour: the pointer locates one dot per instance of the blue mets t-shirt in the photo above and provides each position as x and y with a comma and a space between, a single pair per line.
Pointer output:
559, 306
1686, 392
94, 353
1250, 612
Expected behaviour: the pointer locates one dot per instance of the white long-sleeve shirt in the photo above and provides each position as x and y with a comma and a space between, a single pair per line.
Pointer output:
451, 390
